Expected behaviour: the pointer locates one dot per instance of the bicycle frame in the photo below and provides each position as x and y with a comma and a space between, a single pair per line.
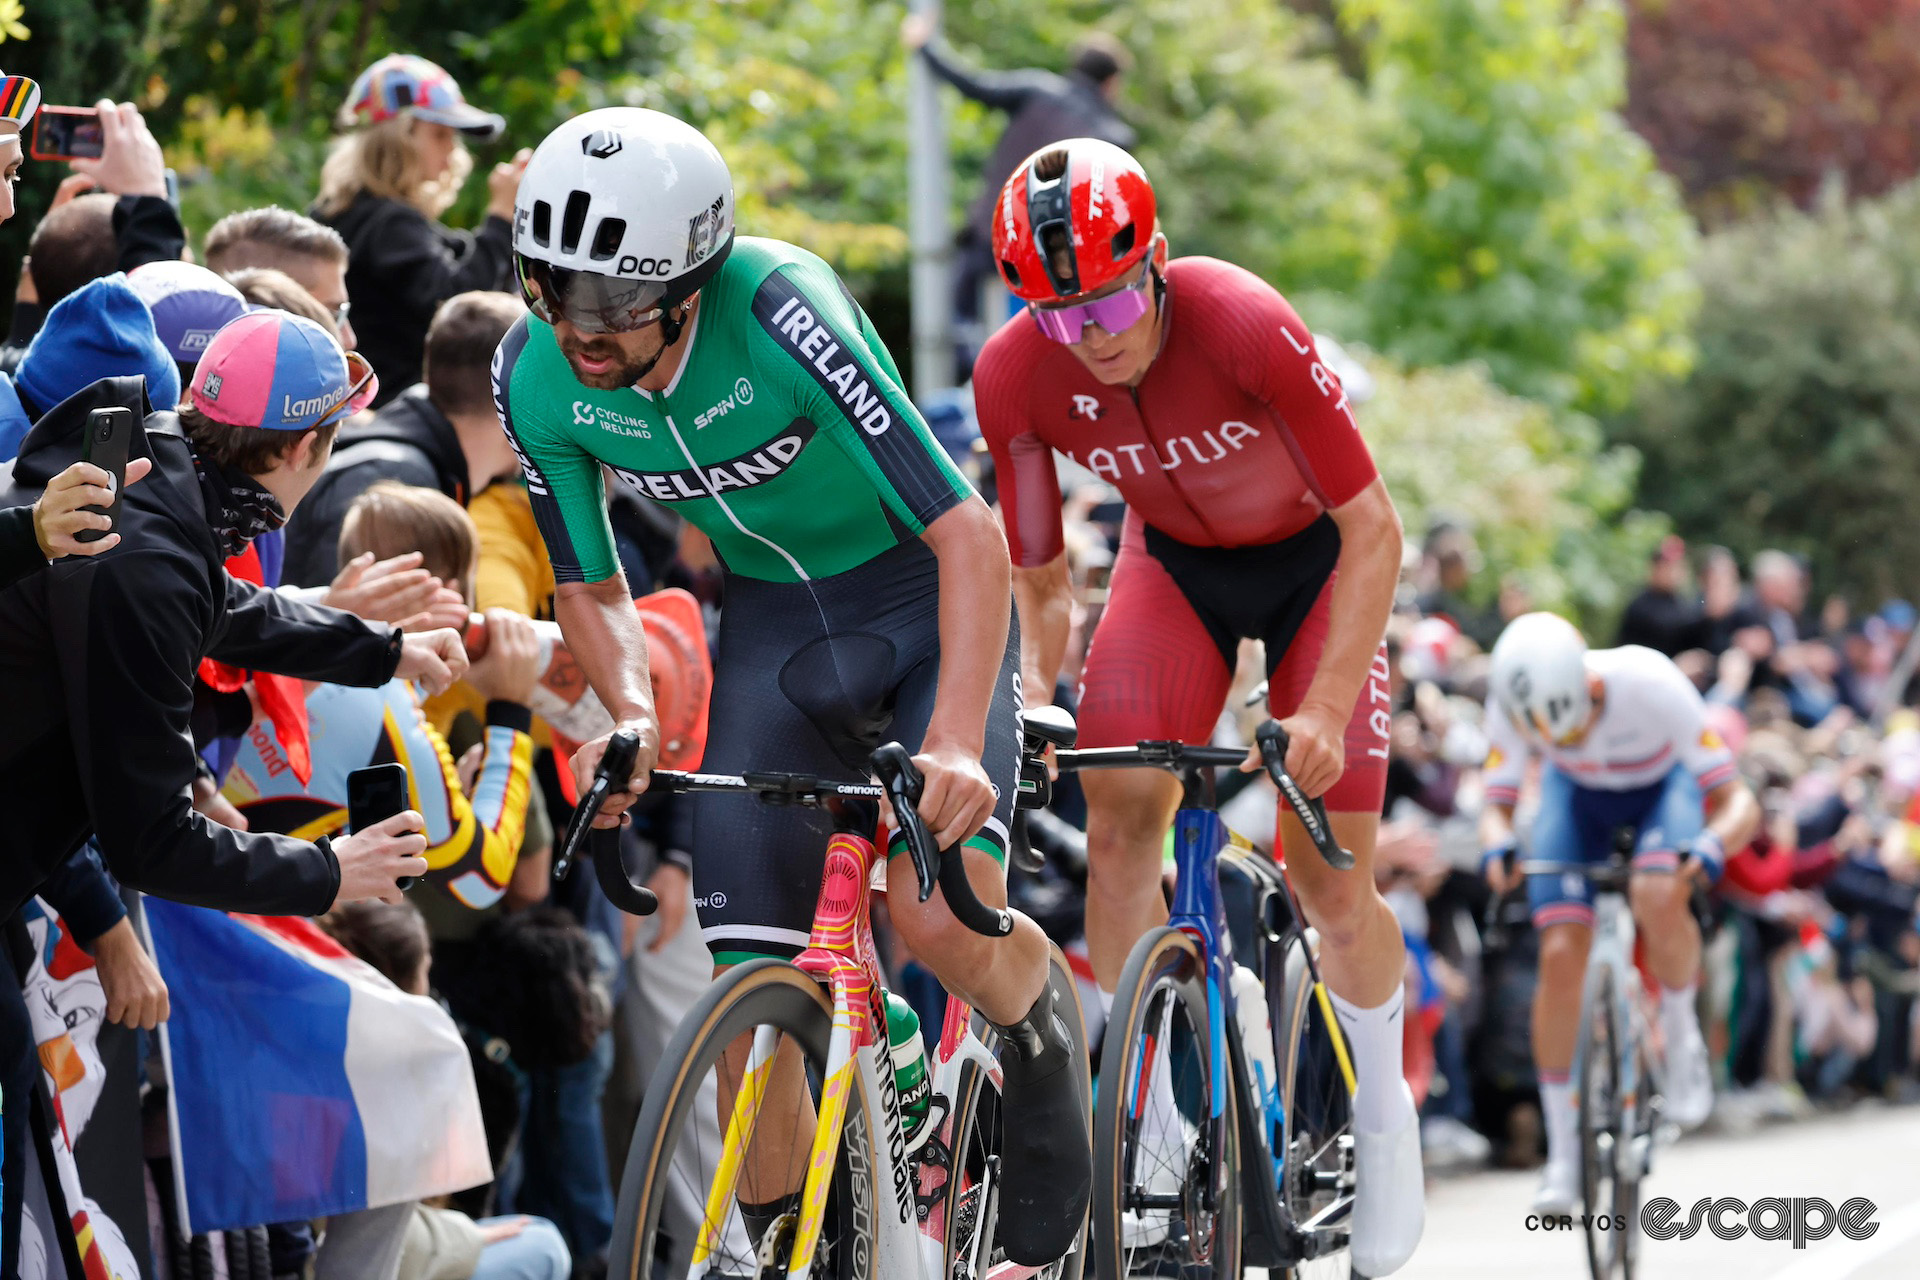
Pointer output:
1199, 836
910, 1226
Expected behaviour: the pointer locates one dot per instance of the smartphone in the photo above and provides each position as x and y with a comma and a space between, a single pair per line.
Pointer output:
109, 437
375, 794
67, 133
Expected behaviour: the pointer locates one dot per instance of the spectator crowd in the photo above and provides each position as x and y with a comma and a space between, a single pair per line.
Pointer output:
324, 557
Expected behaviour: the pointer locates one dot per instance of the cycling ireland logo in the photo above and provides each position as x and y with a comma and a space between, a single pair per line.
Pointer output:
1796, 1219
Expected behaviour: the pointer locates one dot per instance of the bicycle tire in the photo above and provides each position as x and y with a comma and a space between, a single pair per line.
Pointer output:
1603, 1129
976, 1129
760, 993
1166, 972
1319, 1114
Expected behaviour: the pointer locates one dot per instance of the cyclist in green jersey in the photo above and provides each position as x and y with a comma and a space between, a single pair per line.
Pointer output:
868, 588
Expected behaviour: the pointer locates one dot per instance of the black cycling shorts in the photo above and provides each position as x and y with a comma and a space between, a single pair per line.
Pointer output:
810, 678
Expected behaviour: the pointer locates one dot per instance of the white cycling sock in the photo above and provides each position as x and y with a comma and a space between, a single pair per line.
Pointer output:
1106, 1001
1374, 1038
1678, 1020
1562, 1120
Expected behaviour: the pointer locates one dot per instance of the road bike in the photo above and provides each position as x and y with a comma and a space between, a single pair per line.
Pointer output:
877, 1197
1223, 1130
1616, 1074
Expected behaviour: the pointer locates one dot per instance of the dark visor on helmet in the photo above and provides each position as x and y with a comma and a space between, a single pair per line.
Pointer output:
590, 302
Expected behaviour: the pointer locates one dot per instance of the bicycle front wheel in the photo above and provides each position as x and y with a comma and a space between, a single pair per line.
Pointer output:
971, 1204
692, 1202
1606, 1133
1317, 1181
1163, 1140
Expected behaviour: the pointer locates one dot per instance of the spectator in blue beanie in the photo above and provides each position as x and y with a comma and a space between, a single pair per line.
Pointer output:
101, 330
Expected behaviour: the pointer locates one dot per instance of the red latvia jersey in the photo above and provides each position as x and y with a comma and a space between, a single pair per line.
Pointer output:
1238, 435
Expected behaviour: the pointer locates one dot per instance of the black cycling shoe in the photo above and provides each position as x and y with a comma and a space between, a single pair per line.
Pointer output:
1046, 1159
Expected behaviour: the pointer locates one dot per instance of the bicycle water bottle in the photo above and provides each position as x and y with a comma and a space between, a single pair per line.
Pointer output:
908, 1052
1256, 1037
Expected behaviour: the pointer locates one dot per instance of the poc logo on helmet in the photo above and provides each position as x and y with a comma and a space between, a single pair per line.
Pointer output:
633, 266
600, 144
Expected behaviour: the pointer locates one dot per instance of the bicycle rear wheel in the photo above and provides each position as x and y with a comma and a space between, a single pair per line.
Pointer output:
664, 1202
1158, 1150
977, 1135
1606, 1134
1317, 1183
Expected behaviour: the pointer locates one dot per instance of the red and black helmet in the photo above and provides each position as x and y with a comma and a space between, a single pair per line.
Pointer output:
1075, 216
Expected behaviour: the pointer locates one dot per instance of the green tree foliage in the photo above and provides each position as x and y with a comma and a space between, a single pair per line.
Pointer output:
1547, 501
1530, 227
1800, 425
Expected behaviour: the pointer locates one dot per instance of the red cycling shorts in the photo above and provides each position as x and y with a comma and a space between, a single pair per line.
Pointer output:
1163, 655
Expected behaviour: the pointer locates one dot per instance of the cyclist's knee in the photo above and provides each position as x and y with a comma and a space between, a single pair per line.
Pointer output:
1659, 899
1563, 953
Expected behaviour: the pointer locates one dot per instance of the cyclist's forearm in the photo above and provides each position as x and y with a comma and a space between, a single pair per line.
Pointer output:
976, 580
1368, 570
604, 636
1496, 826
1733, 815
1045, 598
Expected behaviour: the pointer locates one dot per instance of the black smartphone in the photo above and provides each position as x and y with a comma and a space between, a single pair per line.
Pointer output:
67, 133
109, 437
375, 794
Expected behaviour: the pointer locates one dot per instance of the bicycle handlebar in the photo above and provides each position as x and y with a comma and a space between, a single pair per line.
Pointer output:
615, 771
900, 784
1176, 756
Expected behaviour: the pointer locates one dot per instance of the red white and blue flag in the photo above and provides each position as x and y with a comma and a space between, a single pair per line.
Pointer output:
304, 1083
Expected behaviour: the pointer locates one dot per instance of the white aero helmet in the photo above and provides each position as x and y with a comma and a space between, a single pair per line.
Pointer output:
1540, 675
622, 214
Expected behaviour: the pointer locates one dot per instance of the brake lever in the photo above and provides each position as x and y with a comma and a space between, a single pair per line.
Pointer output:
616, 770
903, 783
1312, 813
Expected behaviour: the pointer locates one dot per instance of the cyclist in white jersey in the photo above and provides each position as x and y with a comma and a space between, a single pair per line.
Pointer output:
1623, 742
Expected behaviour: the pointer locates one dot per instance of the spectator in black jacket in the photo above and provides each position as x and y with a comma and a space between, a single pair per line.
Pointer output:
98, 658
1663, 615
384, 187
1042, 107
312, 255
440, 434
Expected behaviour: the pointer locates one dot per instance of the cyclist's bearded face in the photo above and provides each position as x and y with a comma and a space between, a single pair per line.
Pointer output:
609, 361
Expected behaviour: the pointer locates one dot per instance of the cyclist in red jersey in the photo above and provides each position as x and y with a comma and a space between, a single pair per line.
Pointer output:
1254, 512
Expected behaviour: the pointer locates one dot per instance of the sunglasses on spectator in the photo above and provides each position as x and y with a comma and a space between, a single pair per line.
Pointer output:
349, 402
1115, 313
340, 315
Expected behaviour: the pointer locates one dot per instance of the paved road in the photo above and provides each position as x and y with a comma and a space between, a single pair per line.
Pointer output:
1476, 1225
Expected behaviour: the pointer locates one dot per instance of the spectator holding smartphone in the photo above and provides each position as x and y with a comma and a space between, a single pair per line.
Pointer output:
384, 188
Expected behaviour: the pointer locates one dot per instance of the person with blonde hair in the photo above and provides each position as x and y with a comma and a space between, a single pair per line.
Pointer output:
383, 188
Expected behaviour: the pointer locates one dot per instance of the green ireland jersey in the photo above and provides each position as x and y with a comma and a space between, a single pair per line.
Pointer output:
785, 436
